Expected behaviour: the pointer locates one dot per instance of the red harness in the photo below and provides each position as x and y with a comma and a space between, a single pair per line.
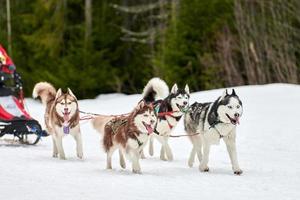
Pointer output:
163, 114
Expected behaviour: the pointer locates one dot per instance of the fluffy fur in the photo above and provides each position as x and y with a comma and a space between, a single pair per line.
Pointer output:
129, 134
213, 121
61, 116
170, 110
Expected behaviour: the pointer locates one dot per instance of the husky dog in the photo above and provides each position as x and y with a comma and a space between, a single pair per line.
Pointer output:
129, 134
213, 121
61, 116
169, 107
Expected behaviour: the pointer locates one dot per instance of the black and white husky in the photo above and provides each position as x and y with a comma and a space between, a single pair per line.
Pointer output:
213, 121
169, 108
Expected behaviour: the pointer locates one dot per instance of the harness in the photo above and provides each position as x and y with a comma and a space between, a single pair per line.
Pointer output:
162, 115
116, 123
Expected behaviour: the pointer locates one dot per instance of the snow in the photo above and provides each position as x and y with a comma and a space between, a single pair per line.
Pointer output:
268, 150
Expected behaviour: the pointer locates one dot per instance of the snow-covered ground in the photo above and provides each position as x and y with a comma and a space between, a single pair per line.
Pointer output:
268, 141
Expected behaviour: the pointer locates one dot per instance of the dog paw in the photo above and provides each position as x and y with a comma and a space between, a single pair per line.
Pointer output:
62, 157
143, 156
170, 158
108, 167
204, 169
163, 158
190, 163
137, 171
80, 156
238, 172
123, 165
55, 155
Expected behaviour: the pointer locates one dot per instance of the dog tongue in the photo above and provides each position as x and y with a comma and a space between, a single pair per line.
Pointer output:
237, 119
149, 129
66, 117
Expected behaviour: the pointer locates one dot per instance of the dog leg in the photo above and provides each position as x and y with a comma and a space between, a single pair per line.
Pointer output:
78, 140
203, 165
192, 157
142, 154
199, 151
55, 151
122, 161
163, 153
231, 148
60, 148
136, 168
108, 158
151, 151
168, 150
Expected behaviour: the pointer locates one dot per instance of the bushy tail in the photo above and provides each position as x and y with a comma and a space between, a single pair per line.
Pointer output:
155, 89
99, 123
45, 91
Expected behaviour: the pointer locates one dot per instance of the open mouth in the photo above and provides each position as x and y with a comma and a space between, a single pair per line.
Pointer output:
66, 116
148, 128
66, 113
181, 108
234, 121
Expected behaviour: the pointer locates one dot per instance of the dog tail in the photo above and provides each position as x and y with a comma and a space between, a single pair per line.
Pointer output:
155, 89
99, 123
45, 91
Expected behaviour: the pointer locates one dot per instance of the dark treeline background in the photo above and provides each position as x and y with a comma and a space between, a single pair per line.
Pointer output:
103, 46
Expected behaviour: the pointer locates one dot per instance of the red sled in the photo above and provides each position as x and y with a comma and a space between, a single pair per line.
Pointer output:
14, 119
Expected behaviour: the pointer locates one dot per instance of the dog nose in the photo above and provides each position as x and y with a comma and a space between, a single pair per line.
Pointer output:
65, 109
236, 114
184, 103
152, 121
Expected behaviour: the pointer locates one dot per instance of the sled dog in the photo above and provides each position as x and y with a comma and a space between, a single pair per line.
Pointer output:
128, 133
169, 107
212, 122
61, 116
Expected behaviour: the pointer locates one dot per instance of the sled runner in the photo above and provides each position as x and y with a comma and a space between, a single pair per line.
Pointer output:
14, 120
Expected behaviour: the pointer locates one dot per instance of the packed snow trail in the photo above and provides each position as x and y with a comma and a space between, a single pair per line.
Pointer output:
268, 147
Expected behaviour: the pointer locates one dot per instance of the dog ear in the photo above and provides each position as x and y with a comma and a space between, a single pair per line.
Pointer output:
233, 93
187, 89
58, 93
71, 93
225, 93
141, 104
174, 89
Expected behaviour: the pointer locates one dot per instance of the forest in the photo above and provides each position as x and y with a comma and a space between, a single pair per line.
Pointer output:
106, 46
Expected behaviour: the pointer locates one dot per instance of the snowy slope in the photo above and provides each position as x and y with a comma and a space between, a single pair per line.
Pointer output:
268, 149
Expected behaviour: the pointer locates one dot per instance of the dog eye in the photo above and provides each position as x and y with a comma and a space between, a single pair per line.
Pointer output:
179, 97
230, 107
69, 103
62, 103
238, 106
146, 115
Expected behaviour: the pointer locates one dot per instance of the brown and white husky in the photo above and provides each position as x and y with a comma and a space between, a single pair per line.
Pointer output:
61, 116
128, 133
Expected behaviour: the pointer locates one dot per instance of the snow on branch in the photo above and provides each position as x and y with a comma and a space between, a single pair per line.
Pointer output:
138, 8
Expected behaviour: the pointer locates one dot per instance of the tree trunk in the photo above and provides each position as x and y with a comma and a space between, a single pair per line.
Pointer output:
8, 28
88, 24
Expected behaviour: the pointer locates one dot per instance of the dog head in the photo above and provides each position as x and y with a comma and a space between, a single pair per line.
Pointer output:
179, 98
66, 104
230, 108
144, 118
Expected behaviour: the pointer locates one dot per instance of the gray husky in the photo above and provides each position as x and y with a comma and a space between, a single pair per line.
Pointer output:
207, 123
